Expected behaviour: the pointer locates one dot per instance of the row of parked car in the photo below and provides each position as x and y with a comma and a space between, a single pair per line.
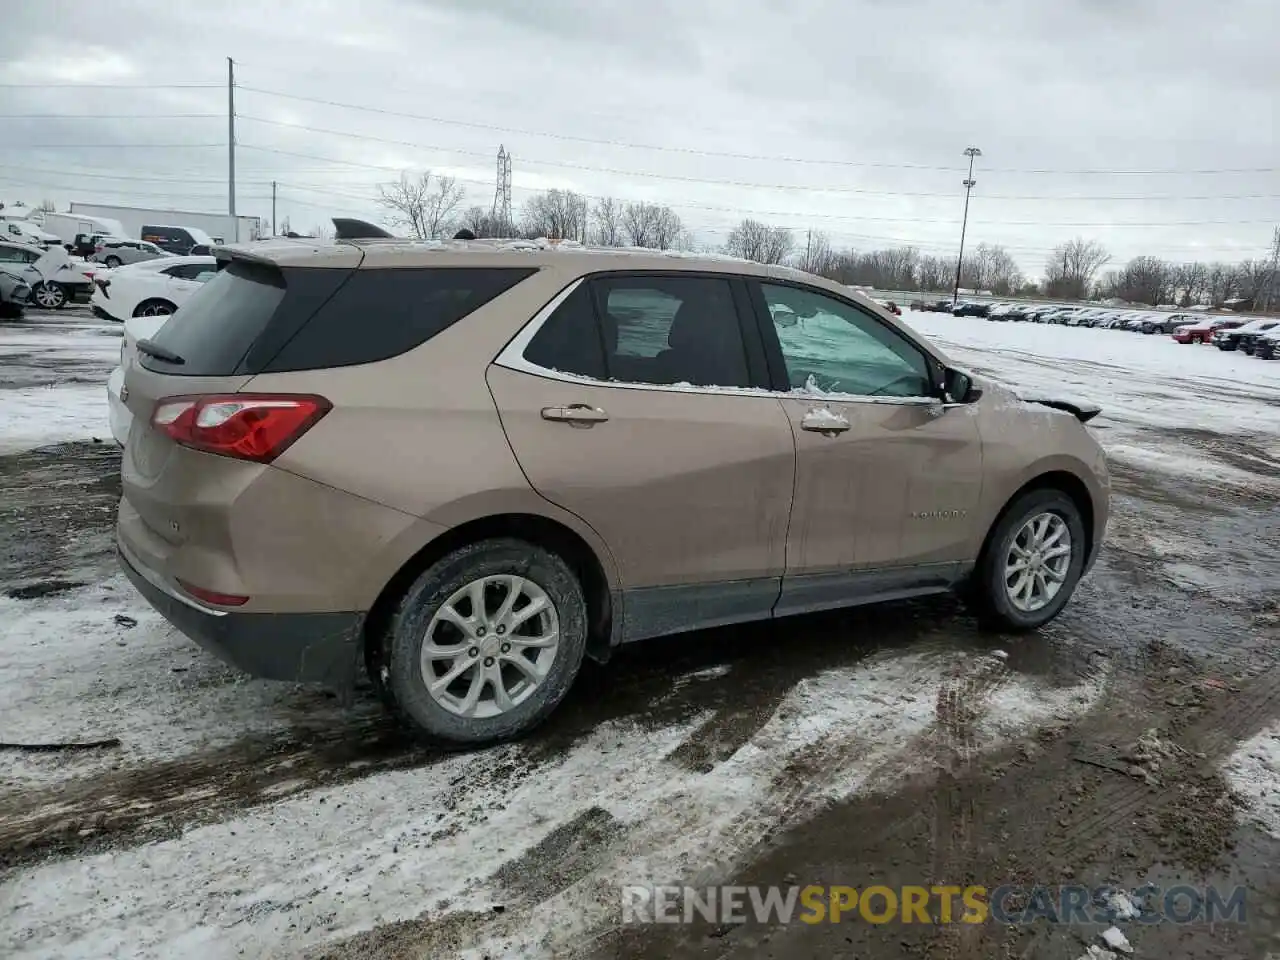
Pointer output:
49, 279
1259, 337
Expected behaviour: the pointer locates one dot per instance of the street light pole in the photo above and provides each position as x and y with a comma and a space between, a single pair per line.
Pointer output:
969, 152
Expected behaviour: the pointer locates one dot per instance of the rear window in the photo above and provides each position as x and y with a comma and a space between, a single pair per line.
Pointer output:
214, 330
256, 318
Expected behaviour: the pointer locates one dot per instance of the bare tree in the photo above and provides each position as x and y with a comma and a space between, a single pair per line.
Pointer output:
1188, 282
651, 225
1269, 290
934, 273
556, 215
482, 223
607, 221
990, 267
1071, 268
422, 205
1221, 284
321, 232
753, 240
1144, 280
818, 257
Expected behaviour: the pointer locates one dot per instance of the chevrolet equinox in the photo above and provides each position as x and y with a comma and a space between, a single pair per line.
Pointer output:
461, 467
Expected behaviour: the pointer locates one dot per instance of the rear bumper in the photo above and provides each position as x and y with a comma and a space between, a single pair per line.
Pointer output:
302, 647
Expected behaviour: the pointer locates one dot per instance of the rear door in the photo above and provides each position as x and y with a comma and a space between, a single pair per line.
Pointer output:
639, 402
888, 478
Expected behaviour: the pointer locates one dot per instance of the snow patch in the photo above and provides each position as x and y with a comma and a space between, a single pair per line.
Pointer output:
1253, 772
330, 862
33, 417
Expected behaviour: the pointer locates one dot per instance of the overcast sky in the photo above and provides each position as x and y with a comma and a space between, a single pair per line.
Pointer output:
852, 114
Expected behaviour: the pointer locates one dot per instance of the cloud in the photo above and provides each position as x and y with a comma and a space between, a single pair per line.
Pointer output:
1059, 96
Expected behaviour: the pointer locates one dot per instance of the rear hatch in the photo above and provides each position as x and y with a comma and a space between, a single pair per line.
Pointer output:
181, 391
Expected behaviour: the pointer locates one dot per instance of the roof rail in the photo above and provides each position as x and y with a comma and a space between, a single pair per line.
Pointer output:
346, 228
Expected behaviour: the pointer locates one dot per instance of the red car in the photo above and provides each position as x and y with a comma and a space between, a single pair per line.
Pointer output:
1203, 331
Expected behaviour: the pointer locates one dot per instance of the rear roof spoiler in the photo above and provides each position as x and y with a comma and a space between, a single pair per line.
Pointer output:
347, 228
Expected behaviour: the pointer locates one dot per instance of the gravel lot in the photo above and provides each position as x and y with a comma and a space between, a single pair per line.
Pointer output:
894, 745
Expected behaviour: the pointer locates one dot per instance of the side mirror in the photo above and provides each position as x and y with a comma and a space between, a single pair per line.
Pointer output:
959, 387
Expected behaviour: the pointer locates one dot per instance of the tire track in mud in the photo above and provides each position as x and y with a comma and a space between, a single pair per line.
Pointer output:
961, 702
146, 803
1192, 720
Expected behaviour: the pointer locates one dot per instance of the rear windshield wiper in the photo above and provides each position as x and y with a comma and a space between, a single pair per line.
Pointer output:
153, 349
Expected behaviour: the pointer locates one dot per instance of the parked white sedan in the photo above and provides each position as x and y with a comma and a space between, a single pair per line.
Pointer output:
143, 295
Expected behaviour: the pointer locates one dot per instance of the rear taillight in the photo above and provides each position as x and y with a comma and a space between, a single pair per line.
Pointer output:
213, 596
247, 426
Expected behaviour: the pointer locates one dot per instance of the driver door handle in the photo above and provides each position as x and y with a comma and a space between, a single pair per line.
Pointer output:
578, 414
825, 422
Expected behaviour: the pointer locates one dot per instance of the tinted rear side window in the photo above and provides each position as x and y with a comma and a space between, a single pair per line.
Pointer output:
570, 339
215, 328
382, 313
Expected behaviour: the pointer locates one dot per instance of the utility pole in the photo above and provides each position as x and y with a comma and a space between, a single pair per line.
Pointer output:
969, 152
273, 208
808, 250
234, 233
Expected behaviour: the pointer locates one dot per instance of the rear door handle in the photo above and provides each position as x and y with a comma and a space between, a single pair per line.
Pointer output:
577, 414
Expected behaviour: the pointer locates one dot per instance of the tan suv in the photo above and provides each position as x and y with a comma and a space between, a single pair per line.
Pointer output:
464, 466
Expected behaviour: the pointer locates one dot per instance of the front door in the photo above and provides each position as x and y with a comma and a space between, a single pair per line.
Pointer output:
888, 478
634, 406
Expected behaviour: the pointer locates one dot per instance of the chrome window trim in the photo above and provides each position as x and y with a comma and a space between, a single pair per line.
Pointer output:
512, 358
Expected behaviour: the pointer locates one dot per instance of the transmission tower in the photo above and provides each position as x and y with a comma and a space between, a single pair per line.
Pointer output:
502, 192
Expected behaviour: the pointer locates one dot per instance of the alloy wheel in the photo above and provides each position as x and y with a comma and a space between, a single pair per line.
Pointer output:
50, 296
1037, 563
489, 646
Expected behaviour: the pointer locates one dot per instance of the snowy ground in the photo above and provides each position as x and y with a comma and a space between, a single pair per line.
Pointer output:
54, 380
1146, 386
243, 818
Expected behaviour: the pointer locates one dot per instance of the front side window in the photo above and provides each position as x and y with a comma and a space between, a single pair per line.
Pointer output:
835, 347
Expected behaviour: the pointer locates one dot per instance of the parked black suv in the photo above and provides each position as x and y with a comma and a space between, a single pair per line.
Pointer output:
1243, 338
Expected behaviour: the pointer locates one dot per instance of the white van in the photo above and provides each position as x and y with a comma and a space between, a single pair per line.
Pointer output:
68, 226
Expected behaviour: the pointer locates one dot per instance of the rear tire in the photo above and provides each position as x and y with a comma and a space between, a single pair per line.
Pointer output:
111, 262
154, 308
49, 296
992, 590
438, 606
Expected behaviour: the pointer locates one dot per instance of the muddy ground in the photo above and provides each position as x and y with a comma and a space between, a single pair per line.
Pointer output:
1181, 615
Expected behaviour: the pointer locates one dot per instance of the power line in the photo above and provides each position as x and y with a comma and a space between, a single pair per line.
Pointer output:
110, 86
857, 191
109, 146
635, 145
592, 140
941, 220
111, 116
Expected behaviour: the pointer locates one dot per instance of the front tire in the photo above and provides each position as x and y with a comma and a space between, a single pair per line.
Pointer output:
484, 645
111, 262
1031, 563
